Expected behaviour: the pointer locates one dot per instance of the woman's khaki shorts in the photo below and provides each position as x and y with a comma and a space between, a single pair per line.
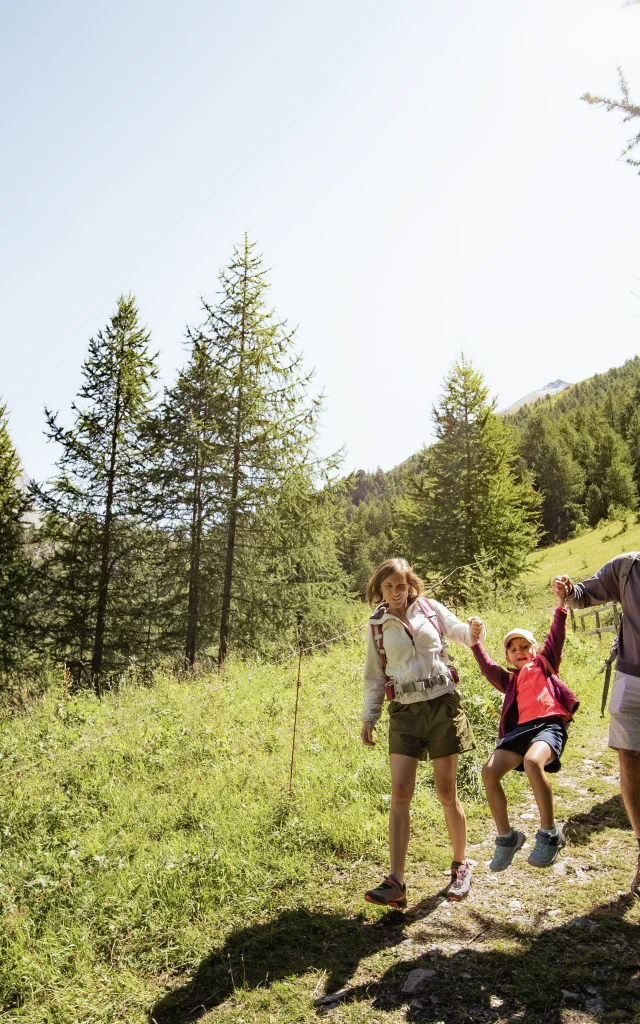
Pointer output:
429, 728
624, 708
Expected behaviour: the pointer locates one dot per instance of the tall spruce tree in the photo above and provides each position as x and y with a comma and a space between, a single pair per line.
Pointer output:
474, 498
15, 563
187, 477
94, 506
295, 582
268, 430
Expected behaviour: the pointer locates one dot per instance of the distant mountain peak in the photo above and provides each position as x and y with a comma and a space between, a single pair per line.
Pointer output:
553, 388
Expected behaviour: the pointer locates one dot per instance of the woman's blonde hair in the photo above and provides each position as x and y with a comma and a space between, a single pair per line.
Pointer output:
374, 586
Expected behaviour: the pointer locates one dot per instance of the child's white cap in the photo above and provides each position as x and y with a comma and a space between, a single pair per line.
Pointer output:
525, 633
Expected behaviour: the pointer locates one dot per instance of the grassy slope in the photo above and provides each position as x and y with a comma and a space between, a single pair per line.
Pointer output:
148, 845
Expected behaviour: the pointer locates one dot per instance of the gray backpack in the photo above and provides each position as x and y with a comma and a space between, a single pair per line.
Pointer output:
625, 570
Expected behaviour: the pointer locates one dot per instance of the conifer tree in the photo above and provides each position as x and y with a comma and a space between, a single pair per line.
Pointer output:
625, 106
94, 506
293, 588
474, 499
269, 426
187, 476
15, 564
558, 478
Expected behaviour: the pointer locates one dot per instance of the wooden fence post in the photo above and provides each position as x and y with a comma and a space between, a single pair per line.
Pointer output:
295, 719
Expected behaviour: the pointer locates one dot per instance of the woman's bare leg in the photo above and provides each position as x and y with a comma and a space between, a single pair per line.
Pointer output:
403, 784
444, 776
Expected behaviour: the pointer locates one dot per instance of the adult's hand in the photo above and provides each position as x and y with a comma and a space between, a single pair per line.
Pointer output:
366, 734
475, 628
562, 587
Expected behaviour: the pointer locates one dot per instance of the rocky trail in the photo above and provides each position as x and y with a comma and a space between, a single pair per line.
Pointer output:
530, 945
554, 946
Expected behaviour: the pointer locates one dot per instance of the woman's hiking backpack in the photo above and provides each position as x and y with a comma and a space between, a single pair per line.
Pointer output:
427, 609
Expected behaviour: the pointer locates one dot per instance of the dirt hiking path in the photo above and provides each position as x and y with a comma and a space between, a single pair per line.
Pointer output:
530, 945
554, 946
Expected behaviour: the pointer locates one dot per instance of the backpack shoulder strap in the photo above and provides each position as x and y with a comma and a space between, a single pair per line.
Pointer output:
625, 571
378, 638
427, 608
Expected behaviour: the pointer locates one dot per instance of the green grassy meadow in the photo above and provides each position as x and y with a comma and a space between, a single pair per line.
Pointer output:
155, 867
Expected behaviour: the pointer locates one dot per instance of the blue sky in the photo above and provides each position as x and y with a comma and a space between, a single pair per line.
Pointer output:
421, 178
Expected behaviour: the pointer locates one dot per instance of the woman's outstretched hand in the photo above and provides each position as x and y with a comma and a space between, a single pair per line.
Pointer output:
475, 626
366, 734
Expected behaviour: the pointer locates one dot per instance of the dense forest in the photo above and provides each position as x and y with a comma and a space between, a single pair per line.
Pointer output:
189, 524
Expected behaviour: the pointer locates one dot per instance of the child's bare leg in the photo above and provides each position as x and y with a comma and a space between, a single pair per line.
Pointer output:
539, 754
500, 762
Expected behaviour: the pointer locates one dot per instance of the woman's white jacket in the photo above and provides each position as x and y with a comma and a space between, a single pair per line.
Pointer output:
409, 657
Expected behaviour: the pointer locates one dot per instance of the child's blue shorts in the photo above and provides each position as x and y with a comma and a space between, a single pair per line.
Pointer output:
550, 730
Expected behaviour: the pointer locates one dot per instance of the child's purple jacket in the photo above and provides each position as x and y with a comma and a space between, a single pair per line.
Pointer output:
548, 660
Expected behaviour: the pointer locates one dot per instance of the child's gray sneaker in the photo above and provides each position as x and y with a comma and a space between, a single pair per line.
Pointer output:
546, 849
506, 849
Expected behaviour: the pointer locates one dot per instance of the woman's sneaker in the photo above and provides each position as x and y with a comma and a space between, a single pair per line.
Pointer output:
546, 849
460, 882
388, 894
506, 849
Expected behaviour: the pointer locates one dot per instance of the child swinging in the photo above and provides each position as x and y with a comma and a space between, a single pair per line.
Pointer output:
532, 734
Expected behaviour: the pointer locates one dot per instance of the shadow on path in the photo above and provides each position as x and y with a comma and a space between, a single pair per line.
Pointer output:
590, 965
294, 943
607, 814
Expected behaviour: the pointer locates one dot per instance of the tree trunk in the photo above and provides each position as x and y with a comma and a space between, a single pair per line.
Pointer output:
194, 569
235, 482
228, 569
103, 582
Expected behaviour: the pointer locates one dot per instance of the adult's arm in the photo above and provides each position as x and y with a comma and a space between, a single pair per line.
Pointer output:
374, 682
600, 588
453, 628
554, 643
496, 675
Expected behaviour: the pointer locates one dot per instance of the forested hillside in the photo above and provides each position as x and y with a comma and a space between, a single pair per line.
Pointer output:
581, 449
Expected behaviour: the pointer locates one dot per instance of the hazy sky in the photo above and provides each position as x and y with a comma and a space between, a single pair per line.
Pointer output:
420, 176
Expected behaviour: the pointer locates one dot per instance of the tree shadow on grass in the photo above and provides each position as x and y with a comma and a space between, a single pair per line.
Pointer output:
607, 814
292, 944
589, 965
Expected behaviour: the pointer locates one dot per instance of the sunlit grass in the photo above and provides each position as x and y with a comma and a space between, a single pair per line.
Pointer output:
138, 832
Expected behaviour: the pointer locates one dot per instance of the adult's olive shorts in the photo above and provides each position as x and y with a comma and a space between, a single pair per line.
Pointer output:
429, 728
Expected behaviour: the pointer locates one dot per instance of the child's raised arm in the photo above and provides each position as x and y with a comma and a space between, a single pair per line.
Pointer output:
560, 588
554, 643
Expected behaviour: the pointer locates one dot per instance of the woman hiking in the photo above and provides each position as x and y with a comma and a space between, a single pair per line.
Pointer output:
406, 657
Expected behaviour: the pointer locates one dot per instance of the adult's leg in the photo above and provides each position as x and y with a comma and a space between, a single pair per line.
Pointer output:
630, 785
403, 784
444, 776
500, 762
539, 754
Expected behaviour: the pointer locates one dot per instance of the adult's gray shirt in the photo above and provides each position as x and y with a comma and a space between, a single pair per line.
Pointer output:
604, 586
